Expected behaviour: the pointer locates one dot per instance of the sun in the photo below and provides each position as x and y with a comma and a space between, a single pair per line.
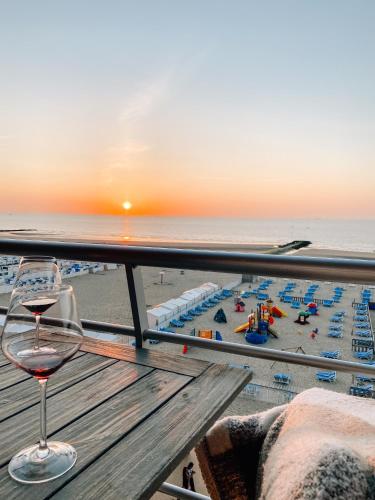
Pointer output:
126, 205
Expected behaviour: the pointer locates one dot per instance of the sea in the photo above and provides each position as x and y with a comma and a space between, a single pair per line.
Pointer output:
338, 234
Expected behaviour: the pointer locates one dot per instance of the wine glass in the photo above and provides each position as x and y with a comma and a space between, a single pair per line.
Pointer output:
35, 271
40, 345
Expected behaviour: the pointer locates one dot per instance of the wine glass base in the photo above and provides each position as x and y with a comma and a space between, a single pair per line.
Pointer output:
28, 467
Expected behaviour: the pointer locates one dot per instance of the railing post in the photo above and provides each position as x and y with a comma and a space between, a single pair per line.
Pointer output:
137, 302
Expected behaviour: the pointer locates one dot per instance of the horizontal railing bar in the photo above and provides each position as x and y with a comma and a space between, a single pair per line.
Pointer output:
262, 352
176, 491
340, 270
230, 347
98, 326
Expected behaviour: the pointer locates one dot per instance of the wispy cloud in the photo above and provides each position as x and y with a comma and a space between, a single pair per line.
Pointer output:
146, 98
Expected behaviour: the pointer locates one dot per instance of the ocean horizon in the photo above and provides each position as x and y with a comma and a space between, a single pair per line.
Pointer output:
338, 234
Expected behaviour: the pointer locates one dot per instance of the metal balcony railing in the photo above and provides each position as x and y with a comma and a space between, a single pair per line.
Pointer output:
359, 271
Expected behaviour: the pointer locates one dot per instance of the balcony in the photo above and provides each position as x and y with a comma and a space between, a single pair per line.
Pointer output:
275, 266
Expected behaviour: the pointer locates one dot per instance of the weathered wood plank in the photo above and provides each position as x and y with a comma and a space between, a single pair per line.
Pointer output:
147, 357
10, 375
136, 466
66, 406
26, 393
97, 431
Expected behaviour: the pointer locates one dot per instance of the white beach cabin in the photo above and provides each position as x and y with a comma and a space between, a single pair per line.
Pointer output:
159, 316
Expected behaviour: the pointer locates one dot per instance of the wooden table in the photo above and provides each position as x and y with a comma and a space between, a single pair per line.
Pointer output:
132, 416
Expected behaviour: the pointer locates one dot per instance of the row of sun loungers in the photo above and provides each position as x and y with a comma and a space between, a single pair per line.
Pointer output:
202, 308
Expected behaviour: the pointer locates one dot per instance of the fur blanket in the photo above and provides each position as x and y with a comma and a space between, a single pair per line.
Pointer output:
319, 446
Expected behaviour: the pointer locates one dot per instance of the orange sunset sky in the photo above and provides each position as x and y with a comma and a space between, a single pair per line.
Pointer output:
246, 108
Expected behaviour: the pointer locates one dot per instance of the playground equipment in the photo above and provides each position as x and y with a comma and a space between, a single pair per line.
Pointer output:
279, 313
240, 306
313, 308
248, 325
258, 330
220, 316
205, 334
302, 318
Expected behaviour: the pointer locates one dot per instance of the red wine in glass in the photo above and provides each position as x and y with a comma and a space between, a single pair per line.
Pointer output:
42, 364
40, 305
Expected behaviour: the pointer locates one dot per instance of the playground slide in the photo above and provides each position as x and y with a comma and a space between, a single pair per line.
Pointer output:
241, 328
279, 312
273, 332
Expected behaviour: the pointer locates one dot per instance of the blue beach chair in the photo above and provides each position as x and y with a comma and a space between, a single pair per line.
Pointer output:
336, 334
330, 354
364, 355
326, 376
176, 323
282, 378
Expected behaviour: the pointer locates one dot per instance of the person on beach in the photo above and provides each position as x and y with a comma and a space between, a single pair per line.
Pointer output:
187, 477
314, 333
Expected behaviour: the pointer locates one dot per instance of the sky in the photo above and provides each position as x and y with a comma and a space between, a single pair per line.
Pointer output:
203, 108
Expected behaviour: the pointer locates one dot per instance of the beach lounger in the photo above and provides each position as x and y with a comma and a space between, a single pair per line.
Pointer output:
166, 330
176, 323
330, 354
193, 312
327, 303
200, 309
326, 376
208, 304
364, 355
336, 327
336, 319
364, 391
288, 299
360, 317
186, 317
364, 378
212, 301
282, 378
363, 325
335, 334
362, 333
295, 305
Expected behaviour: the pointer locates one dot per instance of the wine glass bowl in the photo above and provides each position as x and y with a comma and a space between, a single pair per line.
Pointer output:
41, 333
36, 271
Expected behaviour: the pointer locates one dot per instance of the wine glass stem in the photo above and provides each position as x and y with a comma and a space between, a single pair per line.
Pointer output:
43, 448
37, 322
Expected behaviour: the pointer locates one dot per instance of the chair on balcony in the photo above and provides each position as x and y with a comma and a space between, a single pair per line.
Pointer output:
254, 452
